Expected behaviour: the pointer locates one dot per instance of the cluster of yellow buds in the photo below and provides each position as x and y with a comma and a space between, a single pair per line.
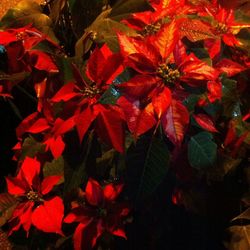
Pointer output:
33, 196
91, 91
151, 29
221, 28
167, 73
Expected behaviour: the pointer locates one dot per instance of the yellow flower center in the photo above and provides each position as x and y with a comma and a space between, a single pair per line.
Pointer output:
91, 91
221, 28
33, 196
151, 29
168, 73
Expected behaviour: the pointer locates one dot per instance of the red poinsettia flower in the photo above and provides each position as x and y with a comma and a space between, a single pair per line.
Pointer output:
223, 25
33, 208
149, 22
52, 128
102, 68
164, 66
100, 214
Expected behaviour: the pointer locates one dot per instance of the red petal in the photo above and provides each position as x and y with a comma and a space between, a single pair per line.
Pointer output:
83, 121
205, 122
112, 68
162, 101
126, 45
213, 46
15, 186
48, 217
30, 171
39, 126
78, 214
139, 86
65, 93
111, 191
166, 39
175, 121
49, 182
42, 61
64, 126
214, 91
139, 121
56, 146
119, 232
229, 67
25, 218
95, 65
94, 193
110, 128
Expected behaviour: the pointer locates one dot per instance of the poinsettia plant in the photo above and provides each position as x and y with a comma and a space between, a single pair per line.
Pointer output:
136, 106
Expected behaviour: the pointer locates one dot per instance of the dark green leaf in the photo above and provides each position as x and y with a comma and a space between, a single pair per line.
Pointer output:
123, 8
110, 96
150, 159
230, 98
202, 151
56, 167
31, 148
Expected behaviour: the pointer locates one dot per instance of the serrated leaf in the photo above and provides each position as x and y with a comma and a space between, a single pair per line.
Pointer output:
202, 151
151, 157
7, 206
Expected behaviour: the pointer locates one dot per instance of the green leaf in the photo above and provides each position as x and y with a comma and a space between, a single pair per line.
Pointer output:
27, 12
149, 157
230, 98
56, 167
7, 206
202, 151
104, 30
31, 148
123, 8
110, 96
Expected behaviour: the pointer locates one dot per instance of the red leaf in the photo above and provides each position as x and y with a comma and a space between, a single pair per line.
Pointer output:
49, 182
119, 232
166, 39
42, 61
175, 121
63, 126
139, 86
205, 122
229, 67
39, 126
78, 215
111, 191
83, 121
214, 91
56, 146
29, 171
213, 47
110, 128
126, 45
48, 217
15, 186
139, 120
94, 193
162, 101
65, 93
112, 68
95, 65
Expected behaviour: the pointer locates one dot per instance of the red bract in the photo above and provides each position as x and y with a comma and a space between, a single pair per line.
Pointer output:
100, 214
149, 22
52, 128
102, 68
34, 209
224, 24
163, 65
